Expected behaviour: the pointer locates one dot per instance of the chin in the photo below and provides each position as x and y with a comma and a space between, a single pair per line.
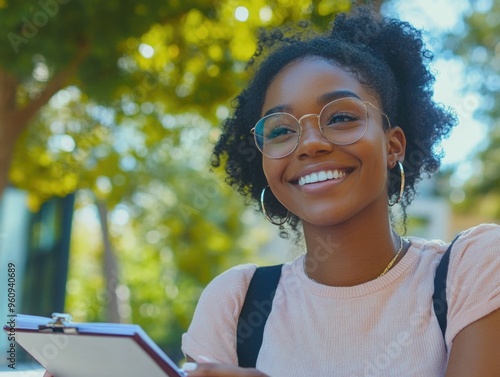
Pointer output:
330, 218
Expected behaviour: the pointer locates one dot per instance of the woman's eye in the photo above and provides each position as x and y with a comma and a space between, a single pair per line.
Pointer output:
279, 131
341, 118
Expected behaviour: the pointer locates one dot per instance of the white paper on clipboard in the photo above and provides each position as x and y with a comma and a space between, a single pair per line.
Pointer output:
92, 349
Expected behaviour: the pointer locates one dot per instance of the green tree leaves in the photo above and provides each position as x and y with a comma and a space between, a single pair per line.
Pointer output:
122, 99
478, 45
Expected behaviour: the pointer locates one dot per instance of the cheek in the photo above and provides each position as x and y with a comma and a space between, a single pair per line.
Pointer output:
273, 169
266, 168
373, 154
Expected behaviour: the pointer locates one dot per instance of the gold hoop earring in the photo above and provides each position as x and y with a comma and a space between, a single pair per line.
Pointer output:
402, 185
266, 213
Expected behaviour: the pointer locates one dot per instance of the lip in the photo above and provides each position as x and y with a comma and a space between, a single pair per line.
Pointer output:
319, 168
321, 176
320, 186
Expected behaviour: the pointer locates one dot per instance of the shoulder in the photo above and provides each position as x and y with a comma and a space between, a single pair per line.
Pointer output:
229, 288
212, 332
481, 238
475, 250
475, 256
473, 284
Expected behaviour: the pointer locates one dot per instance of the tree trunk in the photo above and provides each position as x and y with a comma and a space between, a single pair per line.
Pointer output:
111, 269
7, 143
14, 119
11, 124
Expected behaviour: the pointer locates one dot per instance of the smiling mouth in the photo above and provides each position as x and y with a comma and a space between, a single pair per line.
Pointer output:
321, 176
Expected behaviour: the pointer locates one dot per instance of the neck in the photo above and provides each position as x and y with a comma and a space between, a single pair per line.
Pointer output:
350, 253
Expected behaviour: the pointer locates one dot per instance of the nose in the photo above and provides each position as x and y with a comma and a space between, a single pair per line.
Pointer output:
312, 142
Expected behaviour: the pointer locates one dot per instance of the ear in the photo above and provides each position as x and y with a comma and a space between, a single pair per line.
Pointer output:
396, 146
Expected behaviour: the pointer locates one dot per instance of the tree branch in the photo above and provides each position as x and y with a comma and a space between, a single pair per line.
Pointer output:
8, 89
58, 82
14, 120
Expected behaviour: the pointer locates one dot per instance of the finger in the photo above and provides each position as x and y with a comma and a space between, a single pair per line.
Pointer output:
189, 366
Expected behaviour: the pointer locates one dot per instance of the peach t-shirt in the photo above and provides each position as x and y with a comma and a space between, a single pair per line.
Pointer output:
385, 327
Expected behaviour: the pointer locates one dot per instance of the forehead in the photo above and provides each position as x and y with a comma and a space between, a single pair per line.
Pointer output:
302, 83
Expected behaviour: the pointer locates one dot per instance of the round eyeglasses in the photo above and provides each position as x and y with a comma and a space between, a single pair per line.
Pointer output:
342, 122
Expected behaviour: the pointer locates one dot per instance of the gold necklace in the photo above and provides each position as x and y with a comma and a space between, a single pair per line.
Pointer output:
393, 259
391, 263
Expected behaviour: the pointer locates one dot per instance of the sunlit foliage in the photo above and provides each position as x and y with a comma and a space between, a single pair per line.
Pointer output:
132, 124
479, 46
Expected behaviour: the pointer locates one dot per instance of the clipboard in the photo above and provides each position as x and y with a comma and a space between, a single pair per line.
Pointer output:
70, 349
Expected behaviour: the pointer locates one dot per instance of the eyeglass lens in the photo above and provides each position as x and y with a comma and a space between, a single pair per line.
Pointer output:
343, 121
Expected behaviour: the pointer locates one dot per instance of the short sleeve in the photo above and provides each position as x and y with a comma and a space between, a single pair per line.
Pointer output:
212, 332
473, 286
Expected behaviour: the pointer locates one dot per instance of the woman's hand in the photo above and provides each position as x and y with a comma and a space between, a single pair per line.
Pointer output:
47, 374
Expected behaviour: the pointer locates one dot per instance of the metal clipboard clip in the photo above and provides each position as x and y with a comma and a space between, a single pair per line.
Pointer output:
61, 322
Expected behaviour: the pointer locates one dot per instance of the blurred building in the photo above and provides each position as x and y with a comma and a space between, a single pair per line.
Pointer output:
429, 215
36, 246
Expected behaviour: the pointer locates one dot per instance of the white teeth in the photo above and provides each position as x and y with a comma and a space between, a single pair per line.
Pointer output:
321, 176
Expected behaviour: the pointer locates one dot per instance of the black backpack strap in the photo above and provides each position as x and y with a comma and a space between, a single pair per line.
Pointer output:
439, 300
253, 316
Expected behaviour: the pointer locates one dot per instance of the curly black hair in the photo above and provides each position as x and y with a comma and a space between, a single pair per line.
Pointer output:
386, 55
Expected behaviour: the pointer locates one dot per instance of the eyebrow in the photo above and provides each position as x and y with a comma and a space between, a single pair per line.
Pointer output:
322, 100
278, 109
332, 96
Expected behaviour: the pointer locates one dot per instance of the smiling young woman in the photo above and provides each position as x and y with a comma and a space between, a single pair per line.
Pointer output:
353, 203
345, 125
331, 131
